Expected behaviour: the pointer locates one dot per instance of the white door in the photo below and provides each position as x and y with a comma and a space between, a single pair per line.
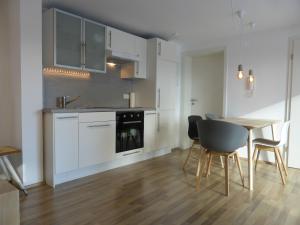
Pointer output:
207, 84
150, 131
96, 142
66, 142
294, 144
166, 84
141, 51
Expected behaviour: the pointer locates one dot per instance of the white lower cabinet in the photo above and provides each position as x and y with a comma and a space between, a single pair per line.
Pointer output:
96, 142
165, 127
65, 142
150, 131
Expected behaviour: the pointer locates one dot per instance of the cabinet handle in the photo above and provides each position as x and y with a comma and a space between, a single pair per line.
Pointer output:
109, 33
81, 52
159, 48
137, 68
158, 103
151, 113
103, 125
158, 122
84, 53
67, 117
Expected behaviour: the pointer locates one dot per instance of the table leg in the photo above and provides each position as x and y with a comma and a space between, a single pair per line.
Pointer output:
250, 161
14, 174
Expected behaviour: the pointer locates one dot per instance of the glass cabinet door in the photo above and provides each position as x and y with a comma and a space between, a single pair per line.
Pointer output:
68, 40
95, 57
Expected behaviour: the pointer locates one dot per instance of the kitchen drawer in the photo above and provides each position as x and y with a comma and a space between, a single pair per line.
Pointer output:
97, 117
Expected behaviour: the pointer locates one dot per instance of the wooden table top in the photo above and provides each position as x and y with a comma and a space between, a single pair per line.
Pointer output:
6, 150
251, 123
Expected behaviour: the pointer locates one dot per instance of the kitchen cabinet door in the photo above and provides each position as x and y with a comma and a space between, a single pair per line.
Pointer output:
68, 40
167, 50
141, 53
65, 142
150, 131
94, 47
165, 123
96, 142
120, 41
166, 84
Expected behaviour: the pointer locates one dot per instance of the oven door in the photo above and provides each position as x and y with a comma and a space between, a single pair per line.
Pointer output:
130, 136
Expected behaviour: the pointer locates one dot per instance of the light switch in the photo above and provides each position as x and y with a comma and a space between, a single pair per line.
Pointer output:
126, 96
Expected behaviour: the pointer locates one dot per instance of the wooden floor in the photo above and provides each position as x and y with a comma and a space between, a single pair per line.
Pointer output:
158, 192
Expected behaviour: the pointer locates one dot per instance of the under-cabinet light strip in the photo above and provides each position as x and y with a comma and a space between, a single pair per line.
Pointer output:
54, 71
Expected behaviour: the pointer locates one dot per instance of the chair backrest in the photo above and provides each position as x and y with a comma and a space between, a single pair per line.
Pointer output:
221, 136
193, 131
284, 136
211, 116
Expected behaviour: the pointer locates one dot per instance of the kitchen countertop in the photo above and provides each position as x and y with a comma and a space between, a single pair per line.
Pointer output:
94, 109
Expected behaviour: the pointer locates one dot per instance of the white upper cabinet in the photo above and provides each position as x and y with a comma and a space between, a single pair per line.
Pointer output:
129, 47
121, 43
70, 41
167, 50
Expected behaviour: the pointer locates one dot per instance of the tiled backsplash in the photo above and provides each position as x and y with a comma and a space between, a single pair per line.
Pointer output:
99, 90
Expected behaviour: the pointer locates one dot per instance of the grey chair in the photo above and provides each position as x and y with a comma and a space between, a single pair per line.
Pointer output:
211, 116
193, 135
220, 138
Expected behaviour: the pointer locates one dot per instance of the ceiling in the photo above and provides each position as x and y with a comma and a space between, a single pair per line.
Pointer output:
193, 21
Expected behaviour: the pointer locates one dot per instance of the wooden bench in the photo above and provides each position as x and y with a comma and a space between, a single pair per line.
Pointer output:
9, 204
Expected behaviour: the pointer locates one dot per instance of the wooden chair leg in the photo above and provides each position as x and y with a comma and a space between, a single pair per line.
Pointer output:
258, 153
238, 162
226, 176
282, 163
203, 160
188, 156
222, 163
254, 154
279, 166
209, 164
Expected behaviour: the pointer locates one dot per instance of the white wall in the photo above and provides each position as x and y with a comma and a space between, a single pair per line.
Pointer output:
208, 72
5, 101
25, 75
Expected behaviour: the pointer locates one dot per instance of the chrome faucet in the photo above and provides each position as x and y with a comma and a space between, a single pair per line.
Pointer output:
62, 102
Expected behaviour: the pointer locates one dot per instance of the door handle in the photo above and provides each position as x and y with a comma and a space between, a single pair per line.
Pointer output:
109, 38
132, 122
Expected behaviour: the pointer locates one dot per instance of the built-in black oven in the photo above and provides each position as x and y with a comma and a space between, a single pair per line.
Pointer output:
130, 130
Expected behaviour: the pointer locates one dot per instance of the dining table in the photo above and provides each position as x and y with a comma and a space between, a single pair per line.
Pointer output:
252, 124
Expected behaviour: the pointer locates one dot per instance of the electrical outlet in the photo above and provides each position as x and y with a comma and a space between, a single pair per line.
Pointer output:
126, 96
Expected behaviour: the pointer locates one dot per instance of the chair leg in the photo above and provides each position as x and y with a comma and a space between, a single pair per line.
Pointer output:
202, 161
254, 154
188, 156
226, 176
279, 166
238, 162
209, 164
4, 169
222, 163
282, 163
258, 153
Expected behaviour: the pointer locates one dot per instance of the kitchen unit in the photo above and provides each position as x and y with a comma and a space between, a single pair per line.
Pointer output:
160, 89
73, 42
81, 142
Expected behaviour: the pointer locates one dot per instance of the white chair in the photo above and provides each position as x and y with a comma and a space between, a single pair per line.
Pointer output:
262, 144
